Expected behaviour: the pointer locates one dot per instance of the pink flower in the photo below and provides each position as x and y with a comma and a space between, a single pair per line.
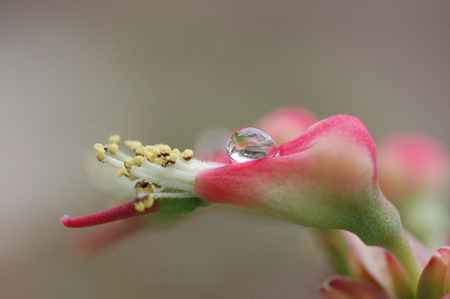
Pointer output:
414, 172
286, 123
326, 178
412, 164
387, 279
344, 288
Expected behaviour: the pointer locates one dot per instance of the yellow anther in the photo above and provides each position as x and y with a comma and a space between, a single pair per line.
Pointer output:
152, 152
133, 144
114, 139
137, 161
173, 157
164, 148
143, 187
128, 162
160, 161
142, 151
100, 152
187, 154
123, 172
144, 203
139, 206
113, 148
148, 202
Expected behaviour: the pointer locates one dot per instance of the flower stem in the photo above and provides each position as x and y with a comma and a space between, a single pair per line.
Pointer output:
403, 252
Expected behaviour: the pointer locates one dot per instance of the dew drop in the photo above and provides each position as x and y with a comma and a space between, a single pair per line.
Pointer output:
249, 144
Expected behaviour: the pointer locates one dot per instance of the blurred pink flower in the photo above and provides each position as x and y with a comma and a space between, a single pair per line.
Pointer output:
414, 172
286, 123
389, 279
412, 164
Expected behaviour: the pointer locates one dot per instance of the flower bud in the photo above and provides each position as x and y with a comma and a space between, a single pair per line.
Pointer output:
326, 178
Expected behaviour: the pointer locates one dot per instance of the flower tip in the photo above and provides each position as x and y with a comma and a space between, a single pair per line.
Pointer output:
66, 220
435, 280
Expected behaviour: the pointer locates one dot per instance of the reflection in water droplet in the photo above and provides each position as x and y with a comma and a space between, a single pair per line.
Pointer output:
249, 143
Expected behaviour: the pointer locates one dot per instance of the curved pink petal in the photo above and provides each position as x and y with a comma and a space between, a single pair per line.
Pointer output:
434, 281
381, 266
123, 211
402, 285
344, 288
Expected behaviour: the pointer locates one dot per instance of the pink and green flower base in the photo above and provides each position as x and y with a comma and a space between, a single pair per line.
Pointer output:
326, 177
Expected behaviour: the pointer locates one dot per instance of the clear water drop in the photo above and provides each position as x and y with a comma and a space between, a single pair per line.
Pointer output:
249, 143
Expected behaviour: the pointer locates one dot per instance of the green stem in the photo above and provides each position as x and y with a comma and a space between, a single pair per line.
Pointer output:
379, 224
403, 252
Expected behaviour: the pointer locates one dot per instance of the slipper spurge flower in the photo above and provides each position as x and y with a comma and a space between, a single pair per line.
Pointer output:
414, 172
326, 178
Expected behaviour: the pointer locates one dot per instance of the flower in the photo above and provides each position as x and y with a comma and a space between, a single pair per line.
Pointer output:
326, 178
412, 164
344, 288
383, 277
286, 123
414, 171
374, 265
320, 179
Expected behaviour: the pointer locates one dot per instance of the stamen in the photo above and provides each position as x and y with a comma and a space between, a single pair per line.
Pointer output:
114, 139
143, 187
157, 164
113, 148
101, 151
133, 144
187, 154
153, 165
145, 202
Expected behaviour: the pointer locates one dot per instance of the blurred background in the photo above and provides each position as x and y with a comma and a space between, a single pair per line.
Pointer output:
74, 72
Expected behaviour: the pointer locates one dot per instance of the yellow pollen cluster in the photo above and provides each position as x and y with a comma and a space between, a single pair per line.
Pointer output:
133, 161
144, 203
100, 152
143, 187
133, 144
112, 147
124, 172
160, 154
114, 139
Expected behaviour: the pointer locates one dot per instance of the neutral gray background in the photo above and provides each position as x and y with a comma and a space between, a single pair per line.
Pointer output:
74, 72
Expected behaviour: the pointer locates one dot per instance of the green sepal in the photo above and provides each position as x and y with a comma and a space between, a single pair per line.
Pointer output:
174, 205
179, 205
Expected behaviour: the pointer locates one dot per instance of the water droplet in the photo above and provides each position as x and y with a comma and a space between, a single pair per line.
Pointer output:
249, 143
